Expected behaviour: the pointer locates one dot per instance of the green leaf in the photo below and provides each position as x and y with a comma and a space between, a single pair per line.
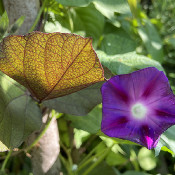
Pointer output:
88, 19
114, 159
4, 23
166, 142
151, 40
90, 123
19, 114
113, 44
16, 25
146, 159
3, 147
1, 7
104, 169
74, 3
80, 136
134, 8
126, 63
111, 140
135, 173
108, 7
78, 103
170, 40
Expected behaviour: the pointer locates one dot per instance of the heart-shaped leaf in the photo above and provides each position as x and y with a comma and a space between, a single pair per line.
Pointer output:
50, 65
79, 103
19, 114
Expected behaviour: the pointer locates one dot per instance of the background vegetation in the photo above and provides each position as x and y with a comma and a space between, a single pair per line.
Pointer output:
127, 36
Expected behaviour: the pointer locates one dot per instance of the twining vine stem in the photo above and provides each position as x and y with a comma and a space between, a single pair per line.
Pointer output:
6, 160
41, 134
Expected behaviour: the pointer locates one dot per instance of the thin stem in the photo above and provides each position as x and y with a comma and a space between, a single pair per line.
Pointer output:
105, 79
6, 160
91, 158
97, 162
71, 23
63, 160
91, 152
67, 153
38, 16
41, 134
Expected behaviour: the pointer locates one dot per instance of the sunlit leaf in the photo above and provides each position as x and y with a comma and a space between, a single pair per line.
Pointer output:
134, 8
166, 142
19, 114
146, 159
4, 23
108, 7
126, 63
151, 40
16, 25
74, 3
90, 20
87, 21
50, 65
3, 147
112, 43
113, 139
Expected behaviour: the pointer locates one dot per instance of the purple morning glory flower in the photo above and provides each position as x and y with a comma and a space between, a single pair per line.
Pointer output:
138, 106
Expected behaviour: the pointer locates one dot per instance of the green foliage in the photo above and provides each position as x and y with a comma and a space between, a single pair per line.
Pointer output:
90, 123
4, 23
16, 25
151, 40
126, 63
78, 103
113, 43
1, 7
19, 115
166, 142
75, 3
109, 7
126, 38
5, 29
106, 7
135, 173
146, 159
90, 20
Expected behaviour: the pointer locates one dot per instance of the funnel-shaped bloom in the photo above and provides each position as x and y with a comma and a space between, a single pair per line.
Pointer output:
138, 107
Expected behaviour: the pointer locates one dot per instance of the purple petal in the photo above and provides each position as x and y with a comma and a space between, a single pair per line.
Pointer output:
115, 92
117, 124
148, 137
150, 84
121, 96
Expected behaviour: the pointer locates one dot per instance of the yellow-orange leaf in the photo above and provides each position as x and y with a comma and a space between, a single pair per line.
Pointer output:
50, 65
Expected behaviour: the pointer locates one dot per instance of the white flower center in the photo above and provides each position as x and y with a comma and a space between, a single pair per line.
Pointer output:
138, 111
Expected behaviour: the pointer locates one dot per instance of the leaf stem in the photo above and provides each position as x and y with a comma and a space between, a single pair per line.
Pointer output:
67, 153
105, 79
100, 159
41, 134
104, 152
38, 16
91, 152
66, 164
6, 160
70, 20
